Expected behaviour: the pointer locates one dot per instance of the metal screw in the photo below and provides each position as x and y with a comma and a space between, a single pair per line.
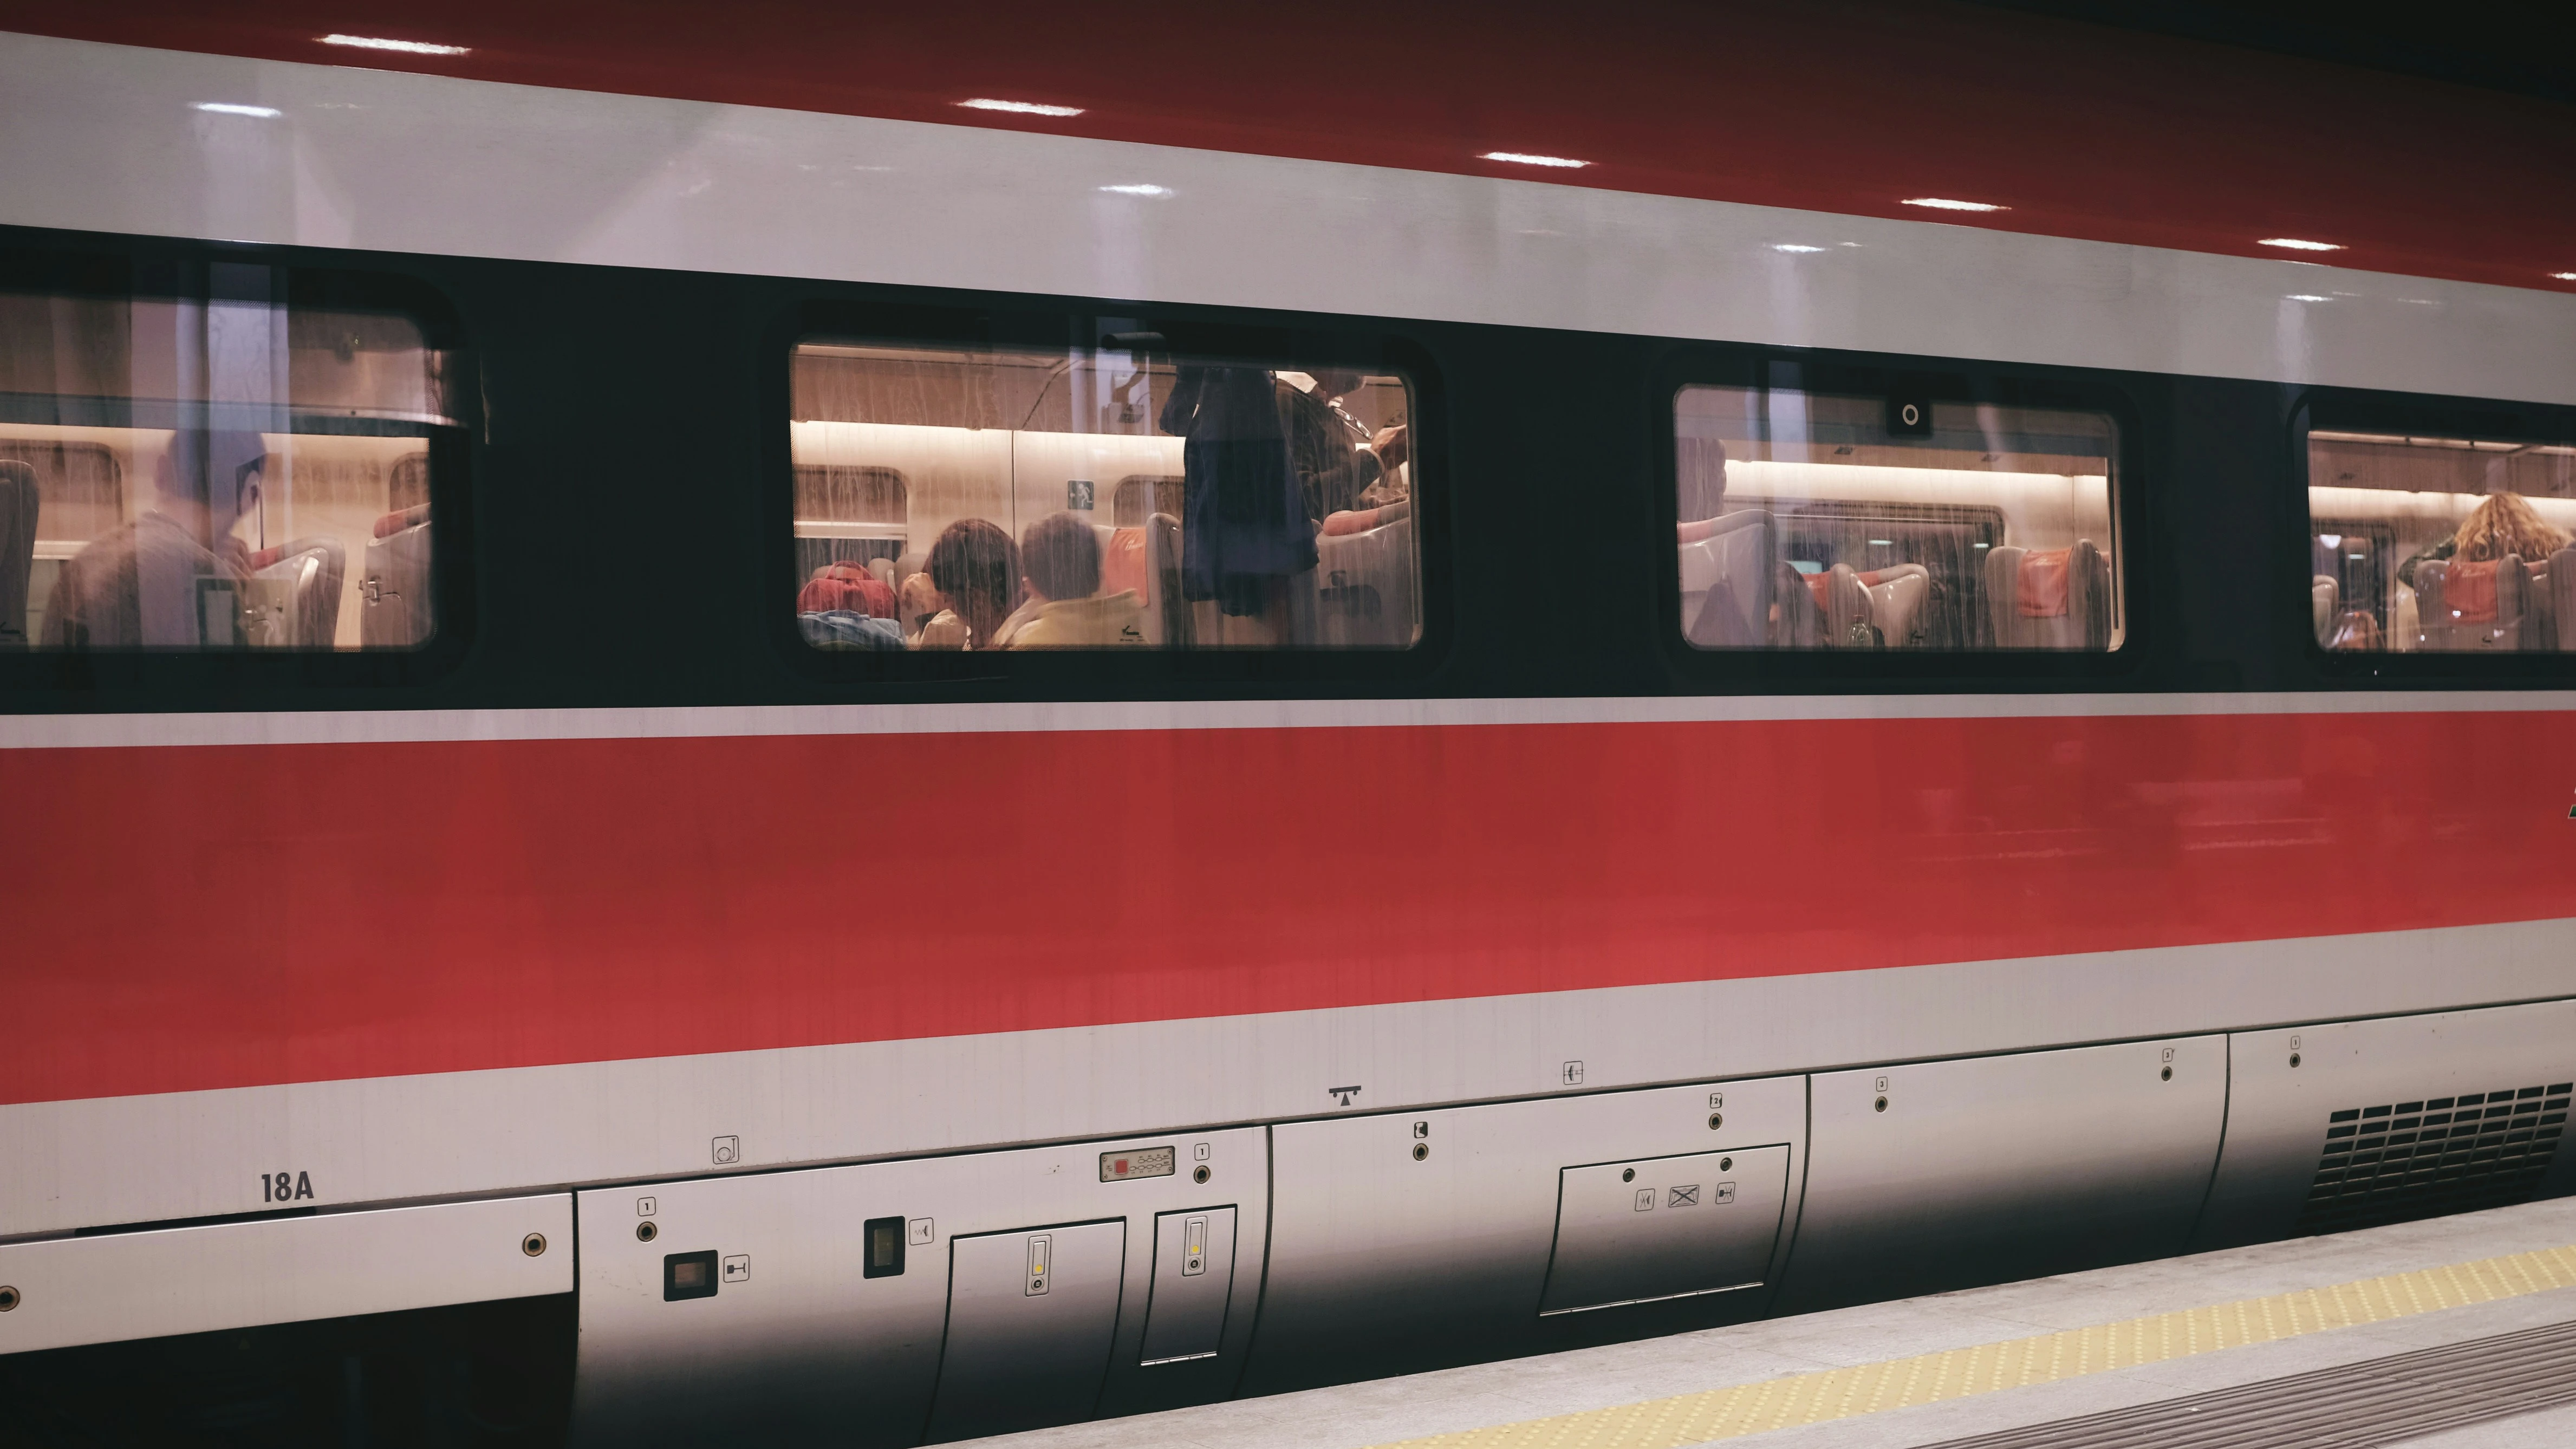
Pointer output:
1629, 1176
534, 1245
1716, 1120
646, 1232
2294, 1059
1421, 1150
8, 1298
2168, 1074
1726, 1164
1200, 1173
1882, 1104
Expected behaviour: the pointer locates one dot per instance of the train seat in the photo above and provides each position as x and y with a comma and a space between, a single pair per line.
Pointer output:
1726, 571
2324, 606
2473, 606
1365, 595
17, 549
2057, 598
2556, 590
1896, 596
394, 591
1127, 564
294, 594
1884, 602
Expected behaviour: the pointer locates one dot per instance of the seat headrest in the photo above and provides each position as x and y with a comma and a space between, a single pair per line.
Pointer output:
396, 522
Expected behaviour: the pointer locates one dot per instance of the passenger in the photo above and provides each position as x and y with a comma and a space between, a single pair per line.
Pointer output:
1062, 555
174, 577
976, 569
916, 604
1334, 475
2501, 524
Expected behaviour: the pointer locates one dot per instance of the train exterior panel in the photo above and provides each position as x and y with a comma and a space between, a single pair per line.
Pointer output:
617, 891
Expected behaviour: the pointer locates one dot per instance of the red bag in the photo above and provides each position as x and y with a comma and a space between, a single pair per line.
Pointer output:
846, 586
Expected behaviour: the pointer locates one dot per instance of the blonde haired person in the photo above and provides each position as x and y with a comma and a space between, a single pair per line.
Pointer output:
2501, 524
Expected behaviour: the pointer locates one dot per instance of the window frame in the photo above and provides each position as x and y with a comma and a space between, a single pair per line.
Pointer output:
905, 317
1828, 372
2362, 410
119, 268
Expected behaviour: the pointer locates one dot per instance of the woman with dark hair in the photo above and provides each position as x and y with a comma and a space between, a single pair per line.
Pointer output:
976, 569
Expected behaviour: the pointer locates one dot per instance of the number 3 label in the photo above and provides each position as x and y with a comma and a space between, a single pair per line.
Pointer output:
285, 1186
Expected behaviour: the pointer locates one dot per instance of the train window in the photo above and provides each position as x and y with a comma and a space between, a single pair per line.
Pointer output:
2441, 544
229, 469
984, 497
1815, 521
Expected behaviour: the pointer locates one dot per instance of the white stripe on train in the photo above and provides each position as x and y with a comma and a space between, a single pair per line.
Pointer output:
325, 727
108, 138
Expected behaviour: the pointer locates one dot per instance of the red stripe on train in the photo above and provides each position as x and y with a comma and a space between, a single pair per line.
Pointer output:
1835, 105
215, 917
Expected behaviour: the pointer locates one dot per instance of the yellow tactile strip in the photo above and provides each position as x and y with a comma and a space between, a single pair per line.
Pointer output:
1841, 1393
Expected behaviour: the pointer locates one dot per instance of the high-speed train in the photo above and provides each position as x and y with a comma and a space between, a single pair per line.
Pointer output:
835, 724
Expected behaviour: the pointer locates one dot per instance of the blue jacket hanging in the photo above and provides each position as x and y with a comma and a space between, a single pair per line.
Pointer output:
1245, 522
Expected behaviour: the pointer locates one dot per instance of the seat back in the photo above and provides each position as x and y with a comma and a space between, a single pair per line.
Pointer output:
2324, 606
17, 549
394, 590
1726, 571
2559, 586
2472, 606
294, 598
2056, 598
1897, 594
1366, 595
1171, 625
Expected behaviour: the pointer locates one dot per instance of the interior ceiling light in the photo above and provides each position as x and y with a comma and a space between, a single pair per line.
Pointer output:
227, 108
1943, 203
2296, 245
1019, 108
1524, 158
407, 47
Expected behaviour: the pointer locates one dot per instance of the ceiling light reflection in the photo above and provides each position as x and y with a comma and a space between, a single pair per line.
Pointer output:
1019, 108
1943, 203
1142, 188
2296, 245
1793, 247
1525, 158
407, 47
227, 108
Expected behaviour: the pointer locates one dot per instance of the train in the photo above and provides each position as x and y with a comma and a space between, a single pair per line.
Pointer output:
875, 727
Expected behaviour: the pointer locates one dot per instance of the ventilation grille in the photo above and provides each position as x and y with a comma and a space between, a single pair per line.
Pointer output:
2407, 1160
2381, 1401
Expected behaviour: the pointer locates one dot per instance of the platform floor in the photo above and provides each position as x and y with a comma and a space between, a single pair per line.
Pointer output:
1926, 1371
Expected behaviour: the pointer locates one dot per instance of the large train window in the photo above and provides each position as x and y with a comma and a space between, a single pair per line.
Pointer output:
221, 464
972, 497
2441, 543
1814, 521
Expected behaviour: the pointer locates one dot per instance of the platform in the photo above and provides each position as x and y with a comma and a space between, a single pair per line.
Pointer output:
2443, 1334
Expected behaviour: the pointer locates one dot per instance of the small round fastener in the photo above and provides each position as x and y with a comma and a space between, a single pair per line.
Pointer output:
645, 1232
1882, 1104
8, 1297
534, 1245
1726, 1164
1421, 1150
1628, 1176
1716, 1120
2294, 1059
2168, 1074
1200, 1173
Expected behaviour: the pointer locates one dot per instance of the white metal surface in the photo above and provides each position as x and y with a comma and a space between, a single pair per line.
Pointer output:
1938, 1175
1416, 1238
105, 138
2277, 1112
810, 1347
1665, 1227
283, 1270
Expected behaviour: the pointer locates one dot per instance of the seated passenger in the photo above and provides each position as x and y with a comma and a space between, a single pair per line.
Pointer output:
1061, 553
1334, 472
976, 569
174, 577
2501, 524
916, 604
